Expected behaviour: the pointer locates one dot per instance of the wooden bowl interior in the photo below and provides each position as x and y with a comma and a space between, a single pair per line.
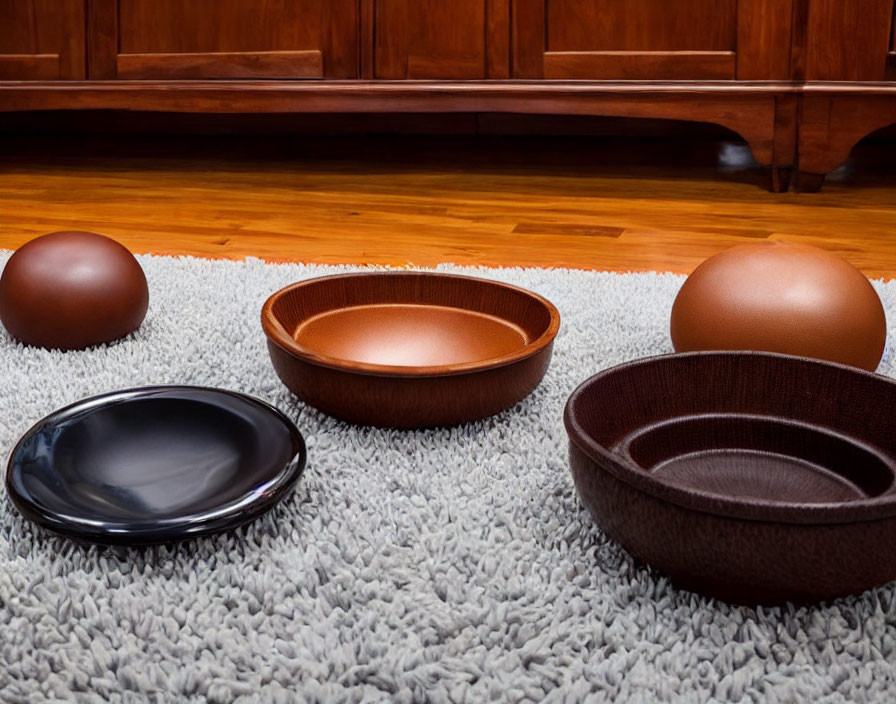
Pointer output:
747, 426
643, 393
759, 458
480, 318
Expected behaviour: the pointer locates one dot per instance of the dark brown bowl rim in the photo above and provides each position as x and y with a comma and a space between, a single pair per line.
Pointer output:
862, 510
277, 334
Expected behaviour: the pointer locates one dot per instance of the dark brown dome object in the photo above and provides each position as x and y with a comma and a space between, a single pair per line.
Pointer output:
71, 290
781, 297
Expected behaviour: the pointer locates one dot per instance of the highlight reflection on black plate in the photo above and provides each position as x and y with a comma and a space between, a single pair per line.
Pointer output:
155, 465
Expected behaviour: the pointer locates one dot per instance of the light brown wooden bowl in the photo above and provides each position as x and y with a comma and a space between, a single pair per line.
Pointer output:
409, 349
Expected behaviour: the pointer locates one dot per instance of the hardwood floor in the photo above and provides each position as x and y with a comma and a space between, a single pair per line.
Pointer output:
620, 204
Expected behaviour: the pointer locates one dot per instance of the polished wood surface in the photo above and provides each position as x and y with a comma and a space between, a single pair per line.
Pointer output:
764, 39
652, 39
42, 39
891, 54
595, 203
234, 64
831, 125
640, 65
750, 108
848, 41
169, 39
640, 39
619, 58
641, 25
430, 39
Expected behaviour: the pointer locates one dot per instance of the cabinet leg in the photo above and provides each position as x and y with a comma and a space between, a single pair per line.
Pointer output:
807, 182
830, 126
779, 178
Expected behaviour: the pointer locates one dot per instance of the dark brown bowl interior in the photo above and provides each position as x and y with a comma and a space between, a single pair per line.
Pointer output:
409, 349
754, 457
750, 476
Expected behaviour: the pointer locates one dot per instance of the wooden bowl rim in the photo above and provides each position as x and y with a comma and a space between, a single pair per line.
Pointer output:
876, 508
277, 334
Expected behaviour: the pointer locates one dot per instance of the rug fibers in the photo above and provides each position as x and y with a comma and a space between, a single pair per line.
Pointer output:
450, 565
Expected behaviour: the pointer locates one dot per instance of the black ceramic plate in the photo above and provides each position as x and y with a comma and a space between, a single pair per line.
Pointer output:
155, 465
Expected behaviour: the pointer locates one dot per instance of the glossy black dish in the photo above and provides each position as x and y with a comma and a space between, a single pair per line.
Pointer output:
155, 465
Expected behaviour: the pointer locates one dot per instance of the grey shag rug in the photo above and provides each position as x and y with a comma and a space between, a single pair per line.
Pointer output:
445, 565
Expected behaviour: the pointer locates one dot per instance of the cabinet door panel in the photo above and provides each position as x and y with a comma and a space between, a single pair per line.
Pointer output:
640, 39
463, 39
652, 39
848, 41
641, 25
42, 39
172, 39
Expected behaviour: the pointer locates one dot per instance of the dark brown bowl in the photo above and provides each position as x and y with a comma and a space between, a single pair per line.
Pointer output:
752, 477
409, 349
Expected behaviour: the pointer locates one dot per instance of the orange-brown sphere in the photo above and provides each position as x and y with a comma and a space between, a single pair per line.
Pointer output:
71, 290
781, 297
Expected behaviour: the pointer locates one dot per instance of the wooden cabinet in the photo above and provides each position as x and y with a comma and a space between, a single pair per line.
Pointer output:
800, 80
891, 55
42, 39
462, 39
652, 39
848, 41
173, 39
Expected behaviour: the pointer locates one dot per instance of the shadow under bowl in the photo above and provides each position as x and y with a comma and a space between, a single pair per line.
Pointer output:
752, 477
155, 465
409, 349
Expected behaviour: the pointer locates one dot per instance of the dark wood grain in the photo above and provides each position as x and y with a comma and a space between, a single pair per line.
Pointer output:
391, 47
641, 25
72, 15
785, 136
31, 67
366, 38
748, 109
831, 123
762, 44
891, 54
246, 64
799, 39
42, 39
497, 38
338, 40
650, 39
639, 65
102, 40
528, 38
640, 39
848, 41
764, 32
566, 229
141, 38
421, 39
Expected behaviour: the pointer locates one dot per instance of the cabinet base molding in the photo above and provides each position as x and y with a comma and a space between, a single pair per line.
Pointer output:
750, 109
808, 126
